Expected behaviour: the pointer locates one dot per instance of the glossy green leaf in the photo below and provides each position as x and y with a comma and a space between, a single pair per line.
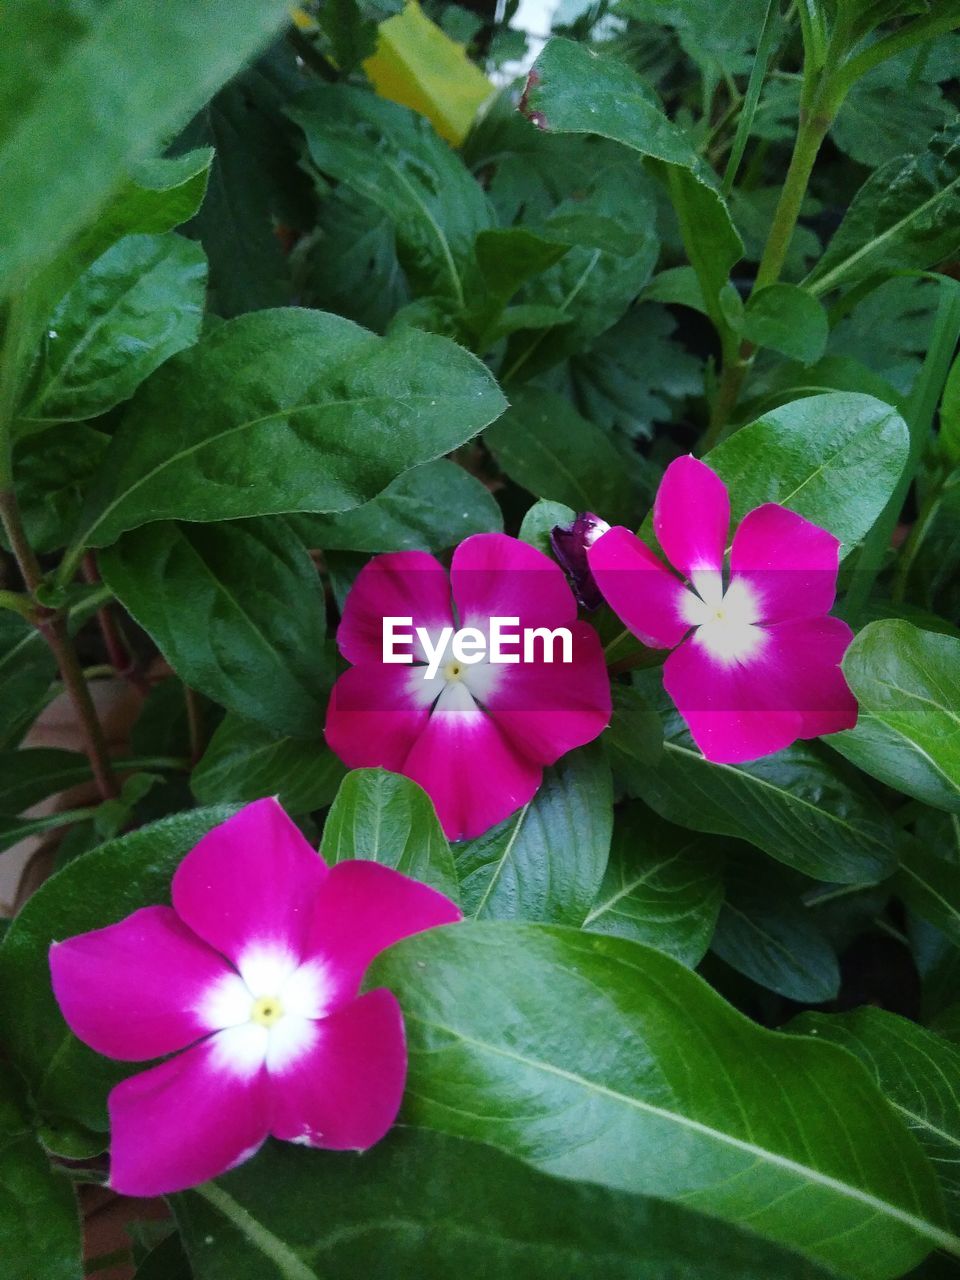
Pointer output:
919, 1073
662, 887
153, 67
337, 412
804, 454
767, 934
907, 683
906, 215
539, 522
424, 1205
138, 304
575, 91
39, 1219
237, 610
428, 508
930, 884
394, 158
634, 740
68, 1079
546, 446
891, 112
387, 818
27, 668
54, 470
601, 1059
787, 319
547, 861
245, 761
793, 805
34, 773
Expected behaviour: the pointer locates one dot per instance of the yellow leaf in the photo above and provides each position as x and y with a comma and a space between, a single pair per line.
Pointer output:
302, 20
420, 67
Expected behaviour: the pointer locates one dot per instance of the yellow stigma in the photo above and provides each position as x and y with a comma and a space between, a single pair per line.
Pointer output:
266, 1010
452, 670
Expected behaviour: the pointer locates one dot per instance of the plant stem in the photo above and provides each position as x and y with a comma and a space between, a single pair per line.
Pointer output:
194, 723
122, 661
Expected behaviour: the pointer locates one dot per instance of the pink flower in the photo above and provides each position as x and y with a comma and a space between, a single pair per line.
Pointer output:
475, 737
250, 980
755, 661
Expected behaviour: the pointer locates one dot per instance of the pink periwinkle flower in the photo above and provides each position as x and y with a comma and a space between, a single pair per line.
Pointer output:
475, 737
755, 662
250, 981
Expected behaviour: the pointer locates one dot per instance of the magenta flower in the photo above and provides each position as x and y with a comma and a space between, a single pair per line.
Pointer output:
476, 733
756, 659
250, 980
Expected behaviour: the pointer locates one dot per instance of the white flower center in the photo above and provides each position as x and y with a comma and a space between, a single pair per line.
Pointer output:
725, 621
456, 688
266, 1015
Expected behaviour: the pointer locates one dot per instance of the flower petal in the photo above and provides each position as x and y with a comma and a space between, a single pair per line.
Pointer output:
493, 575
345, 1092
399, 584
184, 1122
691, 517
790, 564
790, 688
136, 990
373, 718
363, 908
639, 588
546, 709
248, 885
463, 761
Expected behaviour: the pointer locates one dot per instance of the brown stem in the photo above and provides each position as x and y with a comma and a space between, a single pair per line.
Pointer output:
53, 627
118, 652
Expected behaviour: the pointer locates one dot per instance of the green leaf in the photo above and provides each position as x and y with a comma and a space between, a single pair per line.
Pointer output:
476, 1214
919, 1073
542, 443
255, 187
765, 933
572, 90
138, 304
718, 37
634, 740
99, 89
245, 762
906, 215
547, 861
793, 805
394, 157
237, 610
907, 683
66, 1078
893, 110
27, 668
690, 1100
34, 773
662, 887
54, 470
428, 508
338, 412
930, 885
803, 454
540, 521
39, 1220
787, 319
387, 818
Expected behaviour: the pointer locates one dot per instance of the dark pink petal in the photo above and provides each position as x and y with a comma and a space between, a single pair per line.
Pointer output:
814, 648
723, 706
372, 719
547, 709
135, 990
473, 775
345, 1092
400, 584
184, 1122
363, 908
249, 883
789, 563
639, 588
493, 575
791, 688
691, 516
